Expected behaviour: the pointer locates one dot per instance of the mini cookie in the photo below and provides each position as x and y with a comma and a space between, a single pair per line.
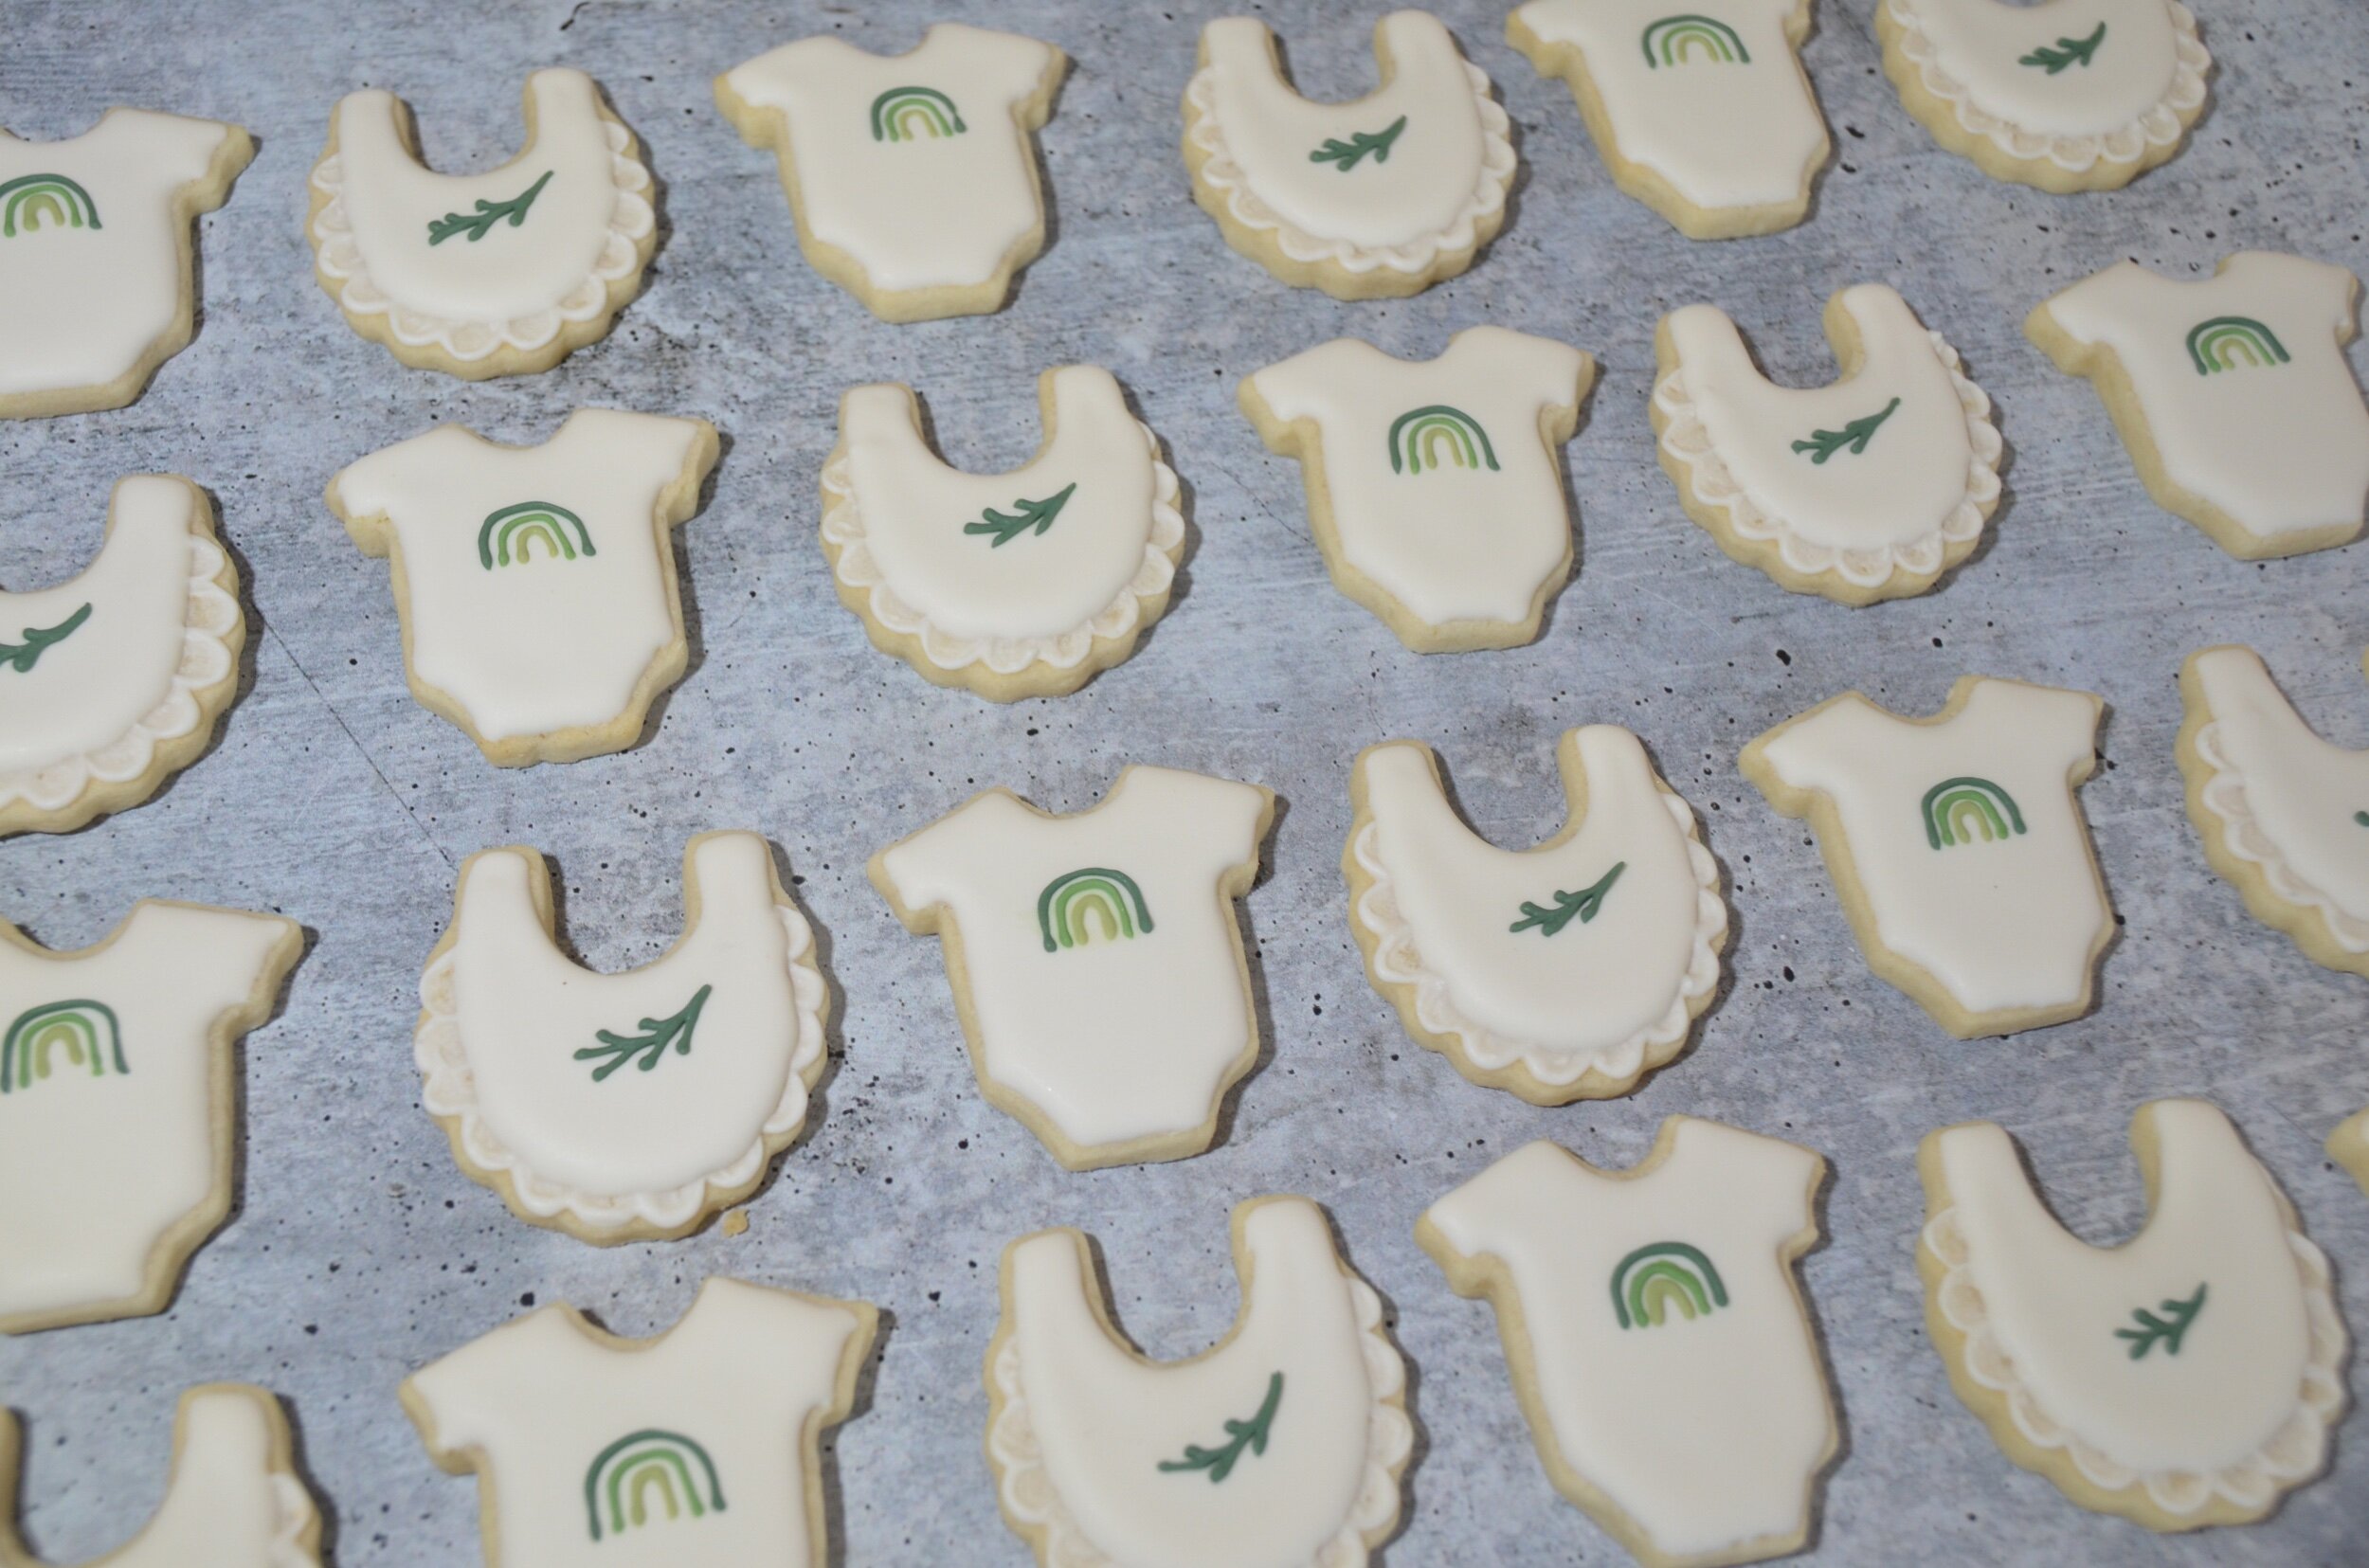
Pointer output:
1095, 960
111, 682
2232, 392
1865, 490
1689, 1413
2348, 1145
500, 274
629, 1107
1020, 584
700, 1445
1373, 199
123, 1045
2066, 94
2186, 1377
537, 584
1956, 844
1498, 959
1704, 116
912, 177
1454, 536
96, 281
1283, 1443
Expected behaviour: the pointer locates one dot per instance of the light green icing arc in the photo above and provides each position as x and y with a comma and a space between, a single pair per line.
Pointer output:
84, 1032
648, 1468
914, 113
35, 204
1689, 37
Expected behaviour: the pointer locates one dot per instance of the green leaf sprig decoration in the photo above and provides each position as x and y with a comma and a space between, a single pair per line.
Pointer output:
1008, 525
1241, 1436
1580, 906
1348, 153
478, 225
1853, 438
2069, 51
21, 656
616, 1050
2167, 1330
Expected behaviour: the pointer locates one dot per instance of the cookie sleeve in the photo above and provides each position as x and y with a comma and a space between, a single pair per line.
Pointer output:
181, 148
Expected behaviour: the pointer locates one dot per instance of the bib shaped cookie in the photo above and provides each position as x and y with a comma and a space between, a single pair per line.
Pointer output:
1704, 115
96, 276
1865, 490
2186, 1377
2065, 94
1377, 198
695, 1449
118, 1105
505, 272
1435, 486
912, 177
1956, 844
1565, 973
627, 1106
2232, 392
1017, 585
1095, 959
1283, 1443
537, 584
1656, 1335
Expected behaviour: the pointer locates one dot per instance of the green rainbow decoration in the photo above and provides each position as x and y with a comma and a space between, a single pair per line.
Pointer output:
1683, 39
85, 1031
31, 203
1654, 1279
2227, 342
1092, 904
648, 1466
506, 538
1437, 436
1959, 811
910, 113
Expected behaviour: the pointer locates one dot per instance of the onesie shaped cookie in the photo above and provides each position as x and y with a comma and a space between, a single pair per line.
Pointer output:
2348, 1145
537, 584
118, 1088
96, 284
1283, 1443
2232, 392
912, 177
1865, 490
1655, 1333
2065, 94
233, 1498
629, 1107
1095, 960
2185, 1377
1378, 198
111, 682
1704, 116
1019, 584
505, 272
1565, 973
1434, 505
697, 1448
1956, 844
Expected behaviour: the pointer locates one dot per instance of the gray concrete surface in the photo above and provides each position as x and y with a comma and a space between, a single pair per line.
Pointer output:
358, 1252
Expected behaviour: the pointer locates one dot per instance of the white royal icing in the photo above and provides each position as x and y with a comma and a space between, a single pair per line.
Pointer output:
2349, 1147
2233, 1406
1445, 493
1398, 208
697, 1446
571, 260
912, 538
1906, 501
160, 644
1095, 1447
110, 1049
1670, 1366
721, 1040
1615, 989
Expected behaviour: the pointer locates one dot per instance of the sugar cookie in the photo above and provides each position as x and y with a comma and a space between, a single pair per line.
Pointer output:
1095, 959
1956, 844
505, 272
912, 177
2232, 392
628, 1106
1688, 1414
1282, 1444
1704, 116
2186, 1377
97, 286
699, 1444
123, 1045
1497, 959
1434, 506
1377, 198
537, 584
2348, 1145
1861, 491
